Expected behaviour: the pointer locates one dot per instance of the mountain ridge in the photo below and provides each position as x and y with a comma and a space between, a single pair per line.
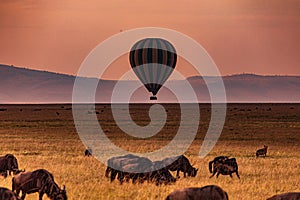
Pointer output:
22, 85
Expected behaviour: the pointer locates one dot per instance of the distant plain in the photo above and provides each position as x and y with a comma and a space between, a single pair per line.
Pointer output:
44, 136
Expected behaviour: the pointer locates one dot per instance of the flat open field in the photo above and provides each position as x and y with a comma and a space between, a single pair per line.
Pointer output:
44, 136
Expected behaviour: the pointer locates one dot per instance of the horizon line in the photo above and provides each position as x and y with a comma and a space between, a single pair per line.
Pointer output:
228, 75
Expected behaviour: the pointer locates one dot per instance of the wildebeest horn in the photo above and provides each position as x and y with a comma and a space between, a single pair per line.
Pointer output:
64, 187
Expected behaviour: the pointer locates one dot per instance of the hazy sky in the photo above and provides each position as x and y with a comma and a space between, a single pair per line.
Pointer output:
253, 36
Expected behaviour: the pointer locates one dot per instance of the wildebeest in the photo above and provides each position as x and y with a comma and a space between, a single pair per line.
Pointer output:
116, 166
8, 163
88, 152
225, 167
135, 168
160, 174
7, 194
182, 164
262, 152
209, 192
40, 181
286, 196
216, 160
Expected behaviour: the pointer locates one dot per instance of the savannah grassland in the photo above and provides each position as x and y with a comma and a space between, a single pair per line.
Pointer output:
40, 138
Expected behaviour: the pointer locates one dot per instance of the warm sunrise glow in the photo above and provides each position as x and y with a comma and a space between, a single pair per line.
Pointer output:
252, 36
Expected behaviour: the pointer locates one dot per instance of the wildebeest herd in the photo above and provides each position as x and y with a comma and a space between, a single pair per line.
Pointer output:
40, 181
142, 169
129, 168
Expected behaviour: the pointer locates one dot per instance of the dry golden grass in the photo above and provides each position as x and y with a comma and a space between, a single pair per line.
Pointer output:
43, 139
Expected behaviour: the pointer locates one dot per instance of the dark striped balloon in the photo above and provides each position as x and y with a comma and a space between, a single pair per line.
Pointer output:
153, 60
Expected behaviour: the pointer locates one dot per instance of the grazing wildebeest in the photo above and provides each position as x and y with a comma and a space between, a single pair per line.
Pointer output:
8, 163
181, 163
162, 176
137, 168
116, 166
228, 167
88, 152
209, 192
40, 181
286, 196
7, 194
262, 152
219, 159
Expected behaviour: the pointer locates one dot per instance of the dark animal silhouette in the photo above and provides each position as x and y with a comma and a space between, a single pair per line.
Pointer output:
135, 168
8, 163
88, 152
216, 160
262, 152
225, 167
7, 194
182, 164
209, 192
116, 166
286, 196
161, 176
40, 181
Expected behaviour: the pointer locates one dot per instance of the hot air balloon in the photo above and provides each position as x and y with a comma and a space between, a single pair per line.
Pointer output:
153, 60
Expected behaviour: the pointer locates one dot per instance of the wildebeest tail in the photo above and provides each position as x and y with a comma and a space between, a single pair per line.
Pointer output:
210, 166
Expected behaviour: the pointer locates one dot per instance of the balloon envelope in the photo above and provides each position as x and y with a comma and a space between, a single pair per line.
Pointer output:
153, 60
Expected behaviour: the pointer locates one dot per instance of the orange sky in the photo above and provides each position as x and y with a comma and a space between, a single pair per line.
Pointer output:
253, 36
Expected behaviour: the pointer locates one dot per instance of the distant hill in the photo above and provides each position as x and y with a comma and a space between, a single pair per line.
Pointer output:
20, 85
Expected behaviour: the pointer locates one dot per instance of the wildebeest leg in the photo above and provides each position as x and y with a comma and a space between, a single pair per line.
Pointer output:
237, 174
134, 178
108, 170
41, 195
218, 174
113, 175
214, 172
121, 176
231, 175
17, 191
127, 178
23, 195
177, 174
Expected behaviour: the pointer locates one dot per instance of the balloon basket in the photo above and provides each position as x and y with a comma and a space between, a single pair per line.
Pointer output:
153, 98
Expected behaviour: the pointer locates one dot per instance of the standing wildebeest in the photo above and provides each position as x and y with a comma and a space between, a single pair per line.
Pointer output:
40, 181
286, 196
7, 194
8, 163
262, 152
180, 164
226, 167
209, 192
216, 160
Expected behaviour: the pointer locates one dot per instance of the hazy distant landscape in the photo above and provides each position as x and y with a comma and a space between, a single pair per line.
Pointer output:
21, 85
